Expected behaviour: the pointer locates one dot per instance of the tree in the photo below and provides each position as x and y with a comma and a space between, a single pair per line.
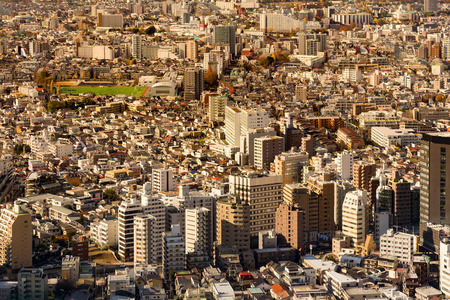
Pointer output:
53, 106
211, 77
75, 181
150, 30
111, 194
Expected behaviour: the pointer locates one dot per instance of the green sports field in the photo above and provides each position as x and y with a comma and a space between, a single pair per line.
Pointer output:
104, 90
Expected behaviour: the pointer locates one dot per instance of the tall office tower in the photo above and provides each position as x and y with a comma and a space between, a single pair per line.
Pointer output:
263, 193
297, 218
354, 217
193, 83
136, 46
146, 247
162, 180
109, 20
430, 5
216, 108
199, 230
233, 223
232, 125
301, 93
290, 166
363, 171
32, 284
311, 43
434, 184
323, 185
225, 34
173, 251
192, 50
127, 212
15, 237
344, 161
444, 266
401, 204
422, 52
266, 148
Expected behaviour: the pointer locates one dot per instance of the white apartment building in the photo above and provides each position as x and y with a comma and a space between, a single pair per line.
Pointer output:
104, 233
173, 251
386, 137
378, 118
60, 150
162, 180
444, 267
400, 245
216, 108
32, 284
127, 211
145, 235
354, 223
344, 162
259, 191
199, 230
232, 125
337, 283
251, 118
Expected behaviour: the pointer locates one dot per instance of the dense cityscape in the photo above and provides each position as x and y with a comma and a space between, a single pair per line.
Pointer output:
224, 149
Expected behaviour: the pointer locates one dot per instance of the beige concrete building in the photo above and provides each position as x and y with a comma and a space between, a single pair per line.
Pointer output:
263, 192
233, 223
290, 166
297, 218
192, 50
266, 148
15, 237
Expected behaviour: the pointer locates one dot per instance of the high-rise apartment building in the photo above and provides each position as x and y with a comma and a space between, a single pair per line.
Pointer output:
162, 180
401, 245
363, 171
430, 5
146, 240
225, 34
199, 230
216, 108
266, 148
149, 205
32, 284
15, 237
290, 166
233, 223
297, 217
193, 83
239, 122
344, 161
192, 50
173, 251
136, 46
323, 185
354, 217
263, 192
311, 43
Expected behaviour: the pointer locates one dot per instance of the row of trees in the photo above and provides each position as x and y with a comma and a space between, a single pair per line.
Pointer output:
54, 106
